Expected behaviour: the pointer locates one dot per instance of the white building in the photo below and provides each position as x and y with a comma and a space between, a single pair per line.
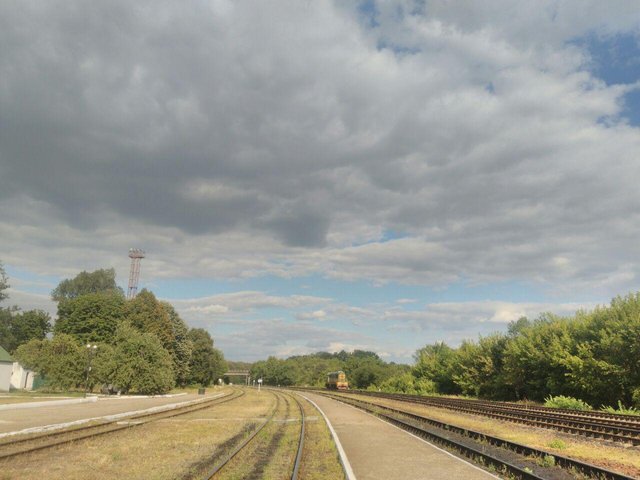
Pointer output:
21, 378
6, 370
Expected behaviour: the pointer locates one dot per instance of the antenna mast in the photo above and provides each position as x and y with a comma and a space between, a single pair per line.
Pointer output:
135, 254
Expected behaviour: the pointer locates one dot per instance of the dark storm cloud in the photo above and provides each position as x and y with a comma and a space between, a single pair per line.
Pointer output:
290, 131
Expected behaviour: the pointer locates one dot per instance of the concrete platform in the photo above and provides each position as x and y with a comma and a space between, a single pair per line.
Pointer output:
377, 450
55, 412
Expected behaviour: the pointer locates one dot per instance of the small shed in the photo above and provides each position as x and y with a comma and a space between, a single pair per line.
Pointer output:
6, 369
21, 378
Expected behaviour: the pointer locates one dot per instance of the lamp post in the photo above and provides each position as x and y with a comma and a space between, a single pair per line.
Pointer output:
91, 351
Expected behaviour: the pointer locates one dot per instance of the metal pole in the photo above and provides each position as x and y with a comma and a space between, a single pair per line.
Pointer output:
91, 349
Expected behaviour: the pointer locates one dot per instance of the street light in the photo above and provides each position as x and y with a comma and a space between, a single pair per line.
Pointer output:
91, 351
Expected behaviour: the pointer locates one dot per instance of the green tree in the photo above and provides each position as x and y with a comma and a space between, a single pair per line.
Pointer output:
17, 327
140, 363
103, 280
435, 363
6, 335
364, 370
147, 314
4, 285
535, 361
103, 366
207, 363
181, 347
61, 360
478, 367
7, 340
603, 367
92, 317
275, 371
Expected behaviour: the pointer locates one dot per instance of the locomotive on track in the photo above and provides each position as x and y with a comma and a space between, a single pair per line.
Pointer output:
337, 381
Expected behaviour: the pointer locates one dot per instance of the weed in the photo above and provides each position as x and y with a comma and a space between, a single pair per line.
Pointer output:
622, 410
116, 456
557, 443
547, 461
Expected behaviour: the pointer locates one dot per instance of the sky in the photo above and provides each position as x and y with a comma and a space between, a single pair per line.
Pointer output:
325, 175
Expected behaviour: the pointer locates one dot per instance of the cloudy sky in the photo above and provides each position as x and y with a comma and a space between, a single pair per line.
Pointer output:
318, 175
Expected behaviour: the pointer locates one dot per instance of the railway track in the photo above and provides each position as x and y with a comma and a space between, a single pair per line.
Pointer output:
508, 458
33, 443
264, 447
617, 428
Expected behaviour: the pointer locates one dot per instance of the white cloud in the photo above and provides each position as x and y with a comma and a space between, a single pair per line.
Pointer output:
208, 309
32, 301
315, 315
470, 143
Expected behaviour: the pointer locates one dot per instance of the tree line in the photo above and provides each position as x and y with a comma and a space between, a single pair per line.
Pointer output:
17, 326
593, 356
141, 345
364, 369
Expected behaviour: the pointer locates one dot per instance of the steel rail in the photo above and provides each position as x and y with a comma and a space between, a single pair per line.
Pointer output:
112, 426
296, 465
211, 473
614, 417
601, 430
564, 462
610, 420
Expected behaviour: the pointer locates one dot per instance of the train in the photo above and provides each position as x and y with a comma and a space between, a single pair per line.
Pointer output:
337, 381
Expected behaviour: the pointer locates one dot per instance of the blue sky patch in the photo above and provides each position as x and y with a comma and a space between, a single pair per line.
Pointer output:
615, 59
369, 13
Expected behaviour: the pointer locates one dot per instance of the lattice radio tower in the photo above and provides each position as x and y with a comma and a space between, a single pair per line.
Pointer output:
135, 254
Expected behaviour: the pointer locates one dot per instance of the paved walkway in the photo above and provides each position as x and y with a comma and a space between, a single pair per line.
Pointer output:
13, 420
377, 450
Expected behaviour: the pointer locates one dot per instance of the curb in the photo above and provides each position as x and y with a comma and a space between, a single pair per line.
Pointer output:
50, 403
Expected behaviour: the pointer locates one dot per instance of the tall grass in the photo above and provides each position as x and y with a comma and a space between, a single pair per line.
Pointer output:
621, 410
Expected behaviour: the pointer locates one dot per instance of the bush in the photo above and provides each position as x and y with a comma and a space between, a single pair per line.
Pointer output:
621, 410
407, 383
569, 403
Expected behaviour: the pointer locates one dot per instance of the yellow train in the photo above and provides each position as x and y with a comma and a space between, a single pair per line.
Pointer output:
337, 381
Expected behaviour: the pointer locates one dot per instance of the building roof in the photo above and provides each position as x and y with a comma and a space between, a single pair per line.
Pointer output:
4, 356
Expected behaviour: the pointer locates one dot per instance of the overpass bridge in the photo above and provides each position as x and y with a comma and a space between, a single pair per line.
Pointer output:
239, 373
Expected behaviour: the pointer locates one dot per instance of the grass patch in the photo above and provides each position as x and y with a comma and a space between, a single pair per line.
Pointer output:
162, 450
320, 458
